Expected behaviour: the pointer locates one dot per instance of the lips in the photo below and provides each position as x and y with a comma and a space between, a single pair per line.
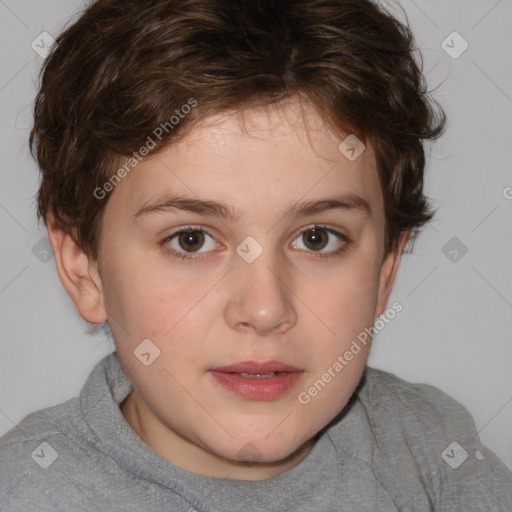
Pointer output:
255, 368
258, 381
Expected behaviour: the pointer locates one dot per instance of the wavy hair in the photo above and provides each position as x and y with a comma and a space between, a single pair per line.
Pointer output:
124, 67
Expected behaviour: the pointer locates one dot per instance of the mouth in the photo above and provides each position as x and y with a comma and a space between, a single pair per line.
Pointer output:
258, 381
259, 375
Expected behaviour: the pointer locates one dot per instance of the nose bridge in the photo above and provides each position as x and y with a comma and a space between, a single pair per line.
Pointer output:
259, 295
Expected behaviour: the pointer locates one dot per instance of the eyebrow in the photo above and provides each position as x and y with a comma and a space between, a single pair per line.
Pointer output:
165, 203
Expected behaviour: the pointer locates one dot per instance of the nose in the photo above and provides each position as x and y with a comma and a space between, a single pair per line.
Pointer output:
260, 296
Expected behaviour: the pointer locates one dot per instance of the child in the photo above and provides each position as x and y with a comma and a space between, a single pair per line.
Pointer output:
193, 155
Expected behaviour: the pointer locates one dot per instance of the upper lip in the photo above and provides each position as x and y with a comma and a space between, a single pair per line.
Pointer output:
254, 367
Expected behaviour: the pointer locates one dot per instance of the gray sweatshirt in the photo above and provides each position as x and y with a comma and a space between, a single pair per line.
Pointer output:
396, 447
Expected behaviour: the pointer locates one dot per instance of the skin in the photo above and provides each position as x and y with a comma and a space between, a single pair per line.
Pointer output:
288, 305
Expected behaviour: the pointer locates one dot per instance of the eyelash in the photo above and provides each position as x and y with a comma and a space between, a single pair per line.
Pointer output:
322, 256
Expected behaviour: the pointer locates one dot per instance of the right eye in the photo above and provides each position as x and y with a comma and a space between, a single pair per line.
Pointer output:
188, 241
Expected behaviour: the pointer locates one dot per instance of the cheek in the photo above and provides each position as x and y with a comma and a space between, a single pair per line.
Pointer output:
344, 298
148, 294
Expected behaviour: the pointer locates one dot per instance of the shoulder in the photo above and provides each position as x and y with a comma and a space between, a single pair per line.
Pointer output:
34, 428
422, 403
28, 451
438, 435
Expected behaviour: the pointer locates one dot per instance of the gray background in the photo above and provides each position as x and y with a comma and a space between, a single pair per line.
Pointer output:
455, 330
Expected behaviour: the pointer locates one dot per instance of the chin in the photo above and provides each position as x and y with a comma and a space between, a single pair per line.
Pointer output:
260, 450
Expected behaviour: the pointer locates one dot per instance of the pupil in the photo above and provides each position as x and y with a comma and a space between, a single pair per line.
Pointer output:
314, 236
194, 240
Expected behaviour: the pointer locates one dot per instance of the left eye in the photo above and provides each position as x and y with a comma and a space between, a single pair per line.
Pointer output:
317, 238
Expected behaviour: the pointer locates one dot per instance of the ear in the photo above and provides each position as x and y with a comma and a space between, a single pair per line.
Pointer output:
78, 275
388, 273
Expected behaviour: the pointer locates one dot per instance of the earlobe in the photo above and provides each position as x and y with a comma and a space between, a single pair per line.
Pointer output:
77, 273
388, 273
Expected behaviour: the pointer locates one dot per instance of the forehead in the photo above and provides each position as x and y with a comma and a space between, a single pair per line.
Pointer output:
255, 158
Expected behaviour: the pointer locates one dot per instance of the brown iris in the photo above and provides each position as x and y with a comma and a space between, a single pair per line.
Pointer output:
191, 240
314, 236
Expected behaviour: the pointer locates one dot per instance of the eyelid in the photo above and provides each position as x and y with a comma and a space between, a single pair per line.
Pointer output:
189, 227
326, 227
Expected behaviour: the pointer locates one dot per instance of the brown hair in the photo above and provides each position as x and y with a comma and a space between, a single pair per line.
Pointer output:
126, 67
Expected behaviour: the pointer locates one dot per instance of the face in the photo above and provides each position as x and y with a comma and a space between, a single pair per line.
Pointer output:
267, 284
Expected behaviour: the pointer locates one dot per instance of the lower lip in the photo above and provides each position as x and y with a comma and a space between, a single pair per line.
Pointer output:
258, 388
